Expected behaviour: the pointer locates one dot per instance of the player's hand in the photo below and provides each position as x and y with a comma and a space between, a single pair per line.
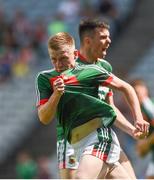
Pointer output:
136, 134
59, 86
142, 126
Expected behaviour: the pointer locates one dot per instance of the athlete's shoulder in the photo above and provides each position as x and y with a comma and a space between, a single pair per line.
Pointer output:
105, 64
79, 61
47, 74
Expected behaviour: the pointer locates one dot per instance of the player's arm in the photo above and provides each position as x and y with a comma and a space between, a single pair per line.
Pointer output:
105, 78
47, 110
132, 100
121, 122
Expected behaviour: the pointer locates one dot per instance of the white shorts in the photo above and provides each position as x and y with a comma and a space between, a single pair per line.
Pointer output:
102, 143
150, 169
66, 156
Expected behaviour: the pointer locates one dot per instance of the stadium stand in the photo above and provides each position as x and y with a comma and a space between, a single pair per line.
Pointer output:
17, 107
18, 114
144, 68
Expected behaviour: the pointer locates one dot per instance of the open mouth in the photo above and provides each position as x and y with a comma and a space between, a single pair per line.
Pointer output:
104, 49
62, 69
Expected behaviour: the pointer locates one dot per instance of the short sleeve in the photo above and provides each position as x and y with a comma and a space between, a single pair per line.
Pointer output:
43, 89
105, 64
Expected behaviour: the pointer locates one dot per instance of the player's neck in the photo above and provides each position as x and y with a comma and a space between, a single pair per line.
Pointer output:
87, 57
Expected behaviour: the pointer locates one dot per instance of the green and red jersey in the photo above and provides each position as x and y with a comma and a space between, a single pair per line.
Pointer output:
103, 91
44, 85
80, 102
44, 90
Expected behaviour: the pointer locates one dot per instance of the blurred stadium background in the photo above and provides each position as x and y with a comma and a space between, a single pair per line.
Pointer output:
24, 29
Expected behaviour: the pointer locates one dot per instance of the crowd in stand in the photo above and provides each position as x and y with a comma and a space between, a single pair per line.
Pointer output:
22, 45
22, 41
28, 167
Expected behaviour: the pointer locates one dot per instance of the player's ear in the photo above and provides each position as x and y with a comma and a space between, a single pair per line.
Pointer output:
86, 40
75, 54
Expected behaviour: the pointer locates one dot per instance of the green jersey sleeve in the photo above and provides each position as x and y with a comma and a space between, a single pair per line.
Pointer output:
105, 64
80, 102
43, 89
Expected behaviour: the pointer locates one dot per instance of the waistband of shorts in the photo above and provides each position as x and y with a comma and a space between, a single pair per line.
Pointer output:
84, 130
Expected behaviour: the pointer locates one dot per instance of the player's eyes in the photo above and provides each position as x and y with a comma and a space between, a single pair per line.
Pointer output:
65, 58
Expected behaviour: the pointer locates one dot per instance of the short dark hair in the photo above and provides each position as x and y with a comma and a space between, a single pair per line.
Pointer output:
88, 26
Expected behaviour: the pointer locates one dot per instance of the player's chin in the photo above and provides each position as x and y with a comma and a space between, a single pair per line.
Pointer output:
58, 70
61, 70
104, 54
